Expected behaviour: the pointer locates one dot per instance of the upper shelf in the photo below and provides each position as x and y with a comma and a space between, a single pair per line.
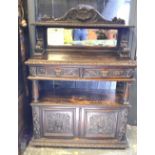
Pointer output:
81, 58
55, 23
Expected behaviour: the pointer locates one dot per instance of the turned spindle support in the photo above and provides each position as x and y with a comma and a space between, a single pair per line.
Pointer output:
126, 92
35, 88
123, 89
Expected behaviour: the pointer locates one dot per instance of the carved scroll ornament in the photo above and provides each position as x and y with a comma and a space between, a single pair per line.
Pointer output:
84, 13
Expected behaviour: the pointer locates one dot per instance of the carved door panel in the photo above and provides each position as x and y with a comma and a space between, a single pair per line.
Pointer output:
59, 122
99, 123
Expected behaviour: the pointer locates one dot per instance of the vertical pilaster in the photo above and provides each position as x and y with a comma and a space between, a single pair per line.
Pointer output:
36, 122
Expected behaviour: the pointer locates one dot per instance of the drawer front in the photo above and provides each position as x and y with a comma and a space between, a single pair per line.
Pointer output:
73, 72
54, 72
59, 122
108, 73
63, 72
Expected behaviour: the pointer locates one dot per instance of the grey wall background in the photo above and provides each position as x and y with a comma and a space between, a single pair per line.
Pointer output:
133, 90
132, 21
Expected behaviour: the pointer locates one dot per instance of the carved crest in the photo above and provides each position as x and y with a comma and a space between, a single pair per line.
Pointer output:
84, 14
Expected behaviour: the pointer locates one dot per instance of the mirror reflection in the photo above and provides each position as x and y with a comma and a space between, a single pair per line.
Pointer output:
81, 37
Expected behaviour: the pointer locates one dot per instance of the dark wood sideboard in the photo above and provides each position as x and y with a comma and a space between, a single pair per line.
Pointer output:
76, 117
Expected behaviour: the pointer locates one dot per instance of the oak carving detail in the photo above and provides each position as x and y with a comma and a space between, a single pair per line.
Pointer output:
33, 71
83, 14
104, 123
76, 72
54, 72
36, 122
96, 73
58, 123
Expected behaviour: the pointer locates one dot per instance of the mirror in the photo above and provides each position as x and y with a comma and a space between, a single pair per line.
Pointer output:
107, 8
81, 37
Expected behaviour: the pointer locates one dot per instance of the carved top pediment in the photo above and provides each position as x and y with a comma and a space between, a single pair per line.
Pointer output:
84, 14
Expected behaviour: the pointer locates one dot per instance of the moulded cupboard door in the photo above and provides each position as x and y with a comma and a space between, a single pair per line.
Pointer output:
59, 122
98, 123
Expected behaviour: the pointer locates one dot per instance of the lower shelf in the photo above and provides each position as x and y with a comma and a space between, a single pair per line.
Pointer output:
80, 143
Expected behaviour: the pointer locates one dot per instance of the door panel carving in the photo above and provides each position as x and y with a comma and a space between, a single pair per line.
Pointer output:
99, 123
59, 122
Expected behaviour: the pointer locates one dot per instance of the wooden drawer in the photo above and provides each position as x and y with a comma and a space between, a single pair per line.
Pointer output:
108, 73
76, 72
48, 71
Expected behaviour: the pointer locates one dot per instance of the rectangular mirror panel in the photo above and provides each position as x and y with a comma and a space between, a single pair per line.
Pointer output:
81, 37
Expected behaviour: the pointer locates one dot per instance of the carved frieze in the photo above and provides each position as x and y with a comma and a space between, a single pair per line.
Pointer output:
102, 123
58, 122
36, 122
77, 72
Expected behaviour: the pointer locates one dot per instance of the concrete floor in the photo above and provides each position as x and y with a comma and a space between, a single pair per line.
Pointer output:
132, 150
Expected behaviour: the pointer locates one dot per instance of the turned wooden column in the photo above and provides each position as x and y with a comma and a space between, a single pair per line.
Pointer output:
123, 89
35, 88
126, 92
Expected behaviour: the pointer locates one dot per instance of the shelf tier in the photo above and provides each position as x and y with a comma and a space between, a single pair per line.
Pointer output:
78, 97
81, 58
82, 79
85, 25
81, 66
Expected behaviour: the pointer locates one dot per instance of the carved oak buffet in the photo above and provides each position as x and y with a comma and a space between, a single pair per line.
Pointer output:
77, 117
